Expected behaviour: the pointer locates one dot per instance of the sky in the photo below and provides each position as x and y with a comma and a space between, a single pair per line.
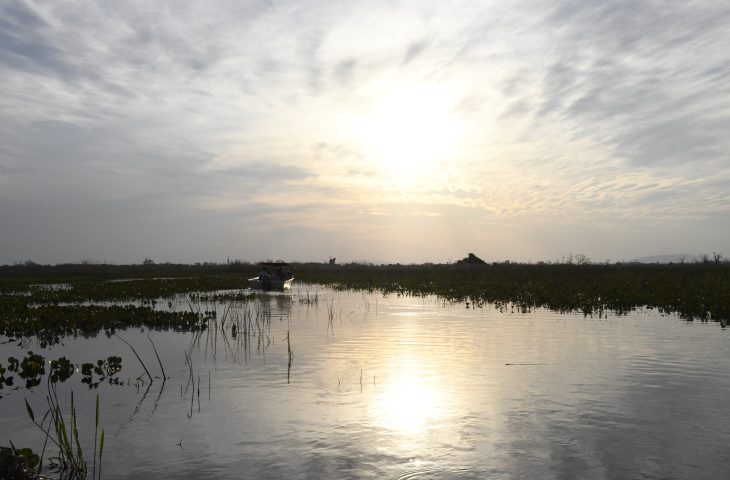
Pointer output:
403, 131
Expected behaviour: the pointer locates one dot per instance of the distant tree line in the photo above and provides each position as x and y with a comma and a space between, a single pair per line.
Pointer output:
148, 267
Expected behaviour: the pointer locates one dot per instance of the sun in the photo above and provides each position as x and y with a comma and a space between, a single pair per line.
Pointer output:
411, 132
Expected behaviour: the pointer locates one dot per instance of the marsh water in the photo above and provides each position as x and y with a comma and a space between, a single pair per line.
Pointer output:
386, 387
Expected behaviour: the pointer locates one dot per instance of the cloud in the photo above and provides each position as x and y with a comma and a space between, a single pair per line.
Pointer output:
571, 111
414, 50
29, 43
638, 71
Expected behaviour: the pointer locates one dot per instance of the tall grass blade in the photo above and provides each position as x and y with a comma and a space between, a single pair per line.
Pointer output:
138, 358
96, 429
30, 410
164, 377
101, 450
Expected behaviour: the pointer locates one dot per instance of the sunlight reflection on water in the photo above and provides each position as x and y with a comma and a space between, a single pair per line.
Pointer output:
408, 399
410, 389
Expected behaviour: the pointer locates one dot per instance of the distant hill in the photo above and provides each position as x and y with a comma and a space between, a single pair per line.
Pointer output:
676, 258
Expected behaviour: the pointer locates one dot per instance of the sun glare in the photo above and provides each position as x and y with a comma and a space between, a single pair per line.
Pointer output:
411, 133
408, 403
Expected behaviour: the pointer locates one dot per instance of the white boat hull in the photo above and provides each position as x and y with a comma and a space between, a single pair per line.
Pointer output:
270, 284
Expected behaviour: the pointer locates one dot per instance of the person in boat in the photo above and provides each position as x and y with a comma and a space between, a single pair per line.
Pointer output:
280, 274
264, 273
265, 278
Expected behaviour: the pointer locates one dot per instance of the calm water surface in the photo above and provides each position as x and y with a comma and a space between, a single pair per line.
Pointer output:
403, 387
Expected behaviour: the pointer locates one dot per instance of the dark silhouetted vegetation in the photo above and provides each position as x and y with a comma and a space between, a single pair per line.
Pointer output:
18, 464
692, 290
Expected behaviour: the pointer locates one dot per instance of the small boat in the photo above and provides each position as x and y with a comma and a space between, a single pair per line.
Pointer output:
280, 280
269, 283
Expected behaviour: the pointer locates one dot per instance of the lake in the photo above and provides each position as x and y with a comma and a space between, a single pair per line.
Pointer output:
399, 387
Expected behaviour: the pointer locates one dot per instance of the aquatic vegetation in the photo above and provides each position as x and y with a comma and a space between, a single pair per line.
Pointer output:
20, 464
230, 296
98, 288
27, 307
30, 308
62, 369
290, 354
692, 290
308, 298
32, 369
164, 377
3, 379
50, 323
104, 370
70, 462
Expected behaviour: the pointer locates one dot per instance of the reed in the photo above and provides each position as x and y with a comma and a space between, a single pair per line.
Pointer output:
96, 431
164, 377
138, 358
331, 315
366, 302
70, 462
291, 357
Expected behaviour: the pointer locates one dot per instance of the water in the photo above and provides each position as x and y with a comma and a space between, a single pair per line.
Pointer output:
402, 387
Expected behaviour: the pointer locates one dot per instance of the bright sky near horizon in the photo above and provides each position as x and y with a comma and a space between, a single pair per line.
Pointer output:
405, 131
